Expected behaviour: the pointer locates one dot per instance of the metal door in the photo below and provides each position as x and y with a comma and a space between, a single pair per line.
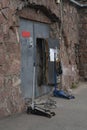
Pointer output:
36, 30
26, 58
41, 31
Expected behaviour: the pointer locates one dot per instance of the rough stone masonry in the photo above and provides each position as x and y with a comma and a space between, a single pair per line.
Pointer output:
11, 100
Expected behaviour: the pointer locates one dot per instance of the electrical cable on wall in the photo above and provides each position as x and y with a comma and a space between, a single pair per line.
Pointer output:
60, 34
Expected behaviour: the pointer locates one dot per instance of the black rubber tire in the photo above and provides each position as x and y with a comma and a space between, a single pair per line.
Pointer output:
49, 116
53, 113
29, 110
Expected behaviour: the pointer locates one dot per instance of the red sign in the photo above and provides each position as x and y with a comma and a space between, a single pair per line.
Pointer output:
25, 34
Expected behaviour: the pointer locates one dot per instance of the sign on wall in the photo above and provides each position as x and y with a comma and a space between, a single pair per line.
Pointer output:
25, 34
53, 52
27, 38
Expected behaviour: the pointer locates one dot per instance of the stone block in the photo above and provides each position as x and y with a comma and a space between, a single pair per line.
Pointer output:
7, 12
1, 81
14, 67
2, 19
0, 5
1, 39
5, 3
2, 56
5, 29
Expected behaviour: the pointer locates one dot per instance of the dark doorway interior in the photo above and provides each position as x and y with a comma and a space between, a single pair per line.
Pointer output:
41, 61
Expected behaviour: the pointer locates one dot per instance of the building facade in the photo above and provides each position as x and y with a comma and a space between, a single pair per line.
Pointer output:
28, 24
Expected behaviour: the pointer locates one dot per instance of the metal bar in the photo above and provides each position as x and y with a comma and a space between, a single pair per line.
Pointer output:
34, 70
78, 4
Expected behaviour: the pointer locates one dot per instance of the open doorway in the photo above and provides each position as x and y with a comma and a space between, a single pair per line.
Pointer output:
41, 61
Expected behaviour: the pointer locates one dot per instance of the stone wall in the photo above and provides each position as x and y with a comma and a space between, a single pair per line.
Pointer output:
83, 43
70, 38
10, 94
11, 100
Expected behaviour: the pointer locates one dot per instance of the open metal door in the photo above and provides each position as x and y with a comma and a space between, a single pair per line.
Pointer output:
52, 45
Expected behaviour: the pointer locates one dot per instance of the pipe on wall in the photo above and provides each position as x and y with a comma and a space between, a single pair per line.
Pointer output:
78, 4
